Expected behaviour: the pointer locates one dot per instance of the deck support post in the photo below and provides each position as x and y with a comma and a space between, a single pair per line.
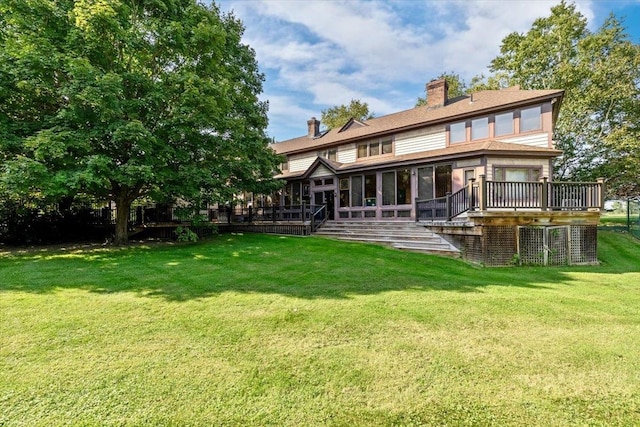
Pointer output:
544, 203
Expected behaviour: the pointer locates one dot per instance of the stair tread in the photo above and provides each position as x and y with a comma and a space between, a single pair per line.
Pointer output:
402, 235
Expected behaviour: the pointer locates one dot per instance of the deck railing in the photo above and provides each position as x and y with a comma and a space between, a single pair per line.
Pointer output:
498, 195
285, 213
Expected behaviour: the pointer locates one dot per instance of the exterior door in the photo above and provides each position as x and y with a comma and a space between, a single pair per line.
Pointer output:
443, 180
329, 199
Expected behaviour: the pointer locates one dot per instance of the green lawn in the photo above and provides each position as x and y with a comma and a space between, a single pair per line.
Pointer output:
255, 330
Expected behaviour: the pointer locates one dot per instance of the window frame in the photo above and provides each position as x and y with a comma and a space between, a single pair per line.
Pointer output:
464, 132
534, 173
522, 121
365, 149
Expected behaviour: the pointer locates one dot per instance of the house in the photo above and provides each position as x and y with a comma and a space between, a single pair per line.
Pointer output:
375, 169
476, 169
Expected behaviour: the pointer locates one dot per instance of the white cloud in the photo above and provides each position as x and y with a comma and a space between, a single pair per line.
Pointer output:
317, 54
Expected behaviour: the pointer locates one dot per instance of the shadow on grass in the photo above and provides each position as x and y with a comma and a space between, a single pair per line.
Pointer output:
297, 267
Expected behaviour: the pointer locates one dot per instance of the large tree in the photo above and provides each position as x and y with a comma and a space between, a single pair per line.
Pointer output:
122, 99
457, 87
600, 72
338, 116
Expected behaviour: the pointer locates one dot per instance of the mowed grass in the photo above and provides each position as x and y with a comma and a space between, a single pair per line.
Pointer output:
255, 330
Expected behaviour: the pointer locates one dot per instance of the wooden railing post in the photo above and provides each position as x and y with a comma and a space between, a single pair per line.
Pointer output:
448, 206
544, 203
470, 193
313, 219
602, 189
482, 193
415, 202
274, 214
304, 211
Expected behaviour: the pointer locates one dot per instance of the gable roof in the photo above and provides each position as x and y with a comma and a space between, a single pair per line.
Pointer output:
459, 108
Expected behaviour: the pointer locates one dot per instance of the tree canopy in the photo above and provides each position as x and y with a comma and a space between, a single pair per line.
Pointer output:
122, 99
457, 87
338, 116
598, 127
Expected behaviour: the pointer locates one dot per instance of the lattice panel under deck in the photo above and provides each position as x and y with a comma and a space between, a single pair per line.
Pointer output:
531, 245
500, 244
557, 242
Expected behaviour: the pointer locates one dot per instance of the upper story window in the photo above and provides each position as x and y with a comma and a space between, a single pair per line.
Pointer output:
458, 132
503, 124
329, 154
530, 119
480, 128
284, 166
376, 148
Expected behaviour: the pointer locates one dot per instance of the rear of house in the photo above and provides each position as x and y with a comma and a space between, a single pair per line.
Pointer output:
376, 169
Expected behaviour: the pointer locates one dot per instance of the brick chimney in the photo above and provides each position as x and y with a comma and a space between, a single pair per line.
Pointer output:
313, 126
437, 93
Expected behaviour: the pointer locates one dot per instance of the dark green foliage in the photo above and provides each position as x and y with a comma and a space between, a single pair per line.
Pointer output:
123, 99
600, 71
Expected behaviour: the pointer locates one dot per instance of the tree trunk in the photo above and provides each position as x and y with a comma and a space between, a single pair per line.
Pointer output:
122, 221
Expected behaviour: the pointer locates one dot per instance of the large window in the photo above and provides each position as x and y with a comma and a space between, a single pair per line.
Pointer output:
503, 124
457, 132
370, 190
396, 187
344, 193
425, 183
517, 174
383, 146
356, 193
530, 119
388, 188
292, 193
359, 190
480, 128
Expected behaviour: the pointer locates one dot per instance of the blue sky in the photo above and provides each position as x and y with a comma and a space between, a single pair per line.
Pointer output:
319, 53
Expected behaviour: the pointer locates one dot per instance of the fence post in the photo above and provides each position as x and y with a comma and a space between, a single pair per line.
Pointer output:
544, 203
448, 206
482, 193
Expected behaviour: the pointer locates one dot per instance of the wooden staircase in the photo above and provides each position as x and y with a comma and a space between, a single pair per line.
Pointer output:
405, 235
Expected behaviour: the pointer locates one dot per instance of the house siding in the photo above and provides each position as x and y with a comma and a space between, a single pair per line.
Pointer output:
347, 153
416, 142
535, 140
301, 162
321, 171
